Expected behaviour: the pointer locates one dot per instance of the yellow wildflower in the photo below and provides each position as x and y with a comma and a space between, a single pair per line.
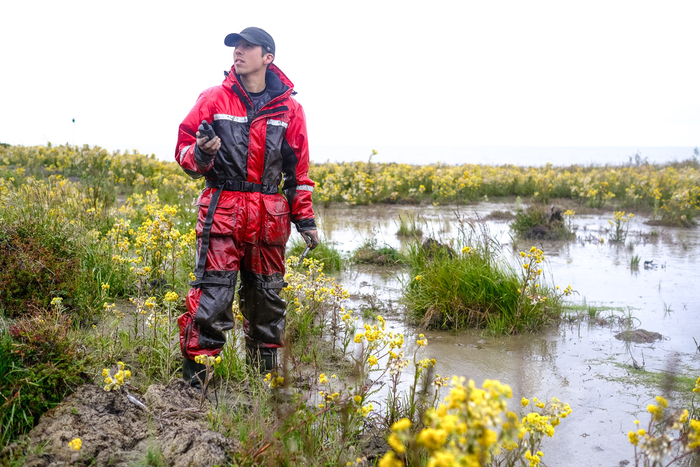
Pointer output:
401, 425
442, 459
432, 438
633, 438
76, 444
396, 444
390, 460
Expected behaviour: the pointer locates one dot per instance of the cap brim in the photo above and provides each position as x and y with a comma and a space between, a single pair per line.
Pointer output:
232, 39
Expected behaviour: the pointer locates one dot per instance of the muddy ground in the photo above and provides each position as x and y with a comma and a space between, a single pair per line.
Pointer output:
115, 431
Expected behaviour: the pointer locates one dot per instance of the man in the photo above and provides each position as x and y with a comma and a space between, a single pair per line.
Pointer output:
259, 135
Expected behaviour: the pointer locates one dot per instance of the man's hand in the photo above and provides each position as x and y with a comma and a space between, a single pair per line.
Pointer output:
208, 146
311, 238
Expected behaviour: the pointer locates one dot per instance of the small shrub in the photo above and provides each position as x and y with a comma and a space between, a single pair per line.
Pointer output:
40, 364
36, 264
371, 253
538, 223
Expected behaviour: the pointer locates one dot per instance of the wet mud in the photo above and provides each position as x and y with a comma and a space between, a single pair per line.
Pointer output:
116, 431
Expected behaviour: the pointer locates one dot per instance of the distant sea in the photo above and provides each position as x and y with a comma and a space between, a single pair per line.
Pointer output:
492, 155
487, 155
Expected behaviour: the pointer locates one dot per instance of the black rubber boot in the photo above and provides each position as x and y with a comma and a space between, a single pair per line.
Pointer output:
261, 359
194, 373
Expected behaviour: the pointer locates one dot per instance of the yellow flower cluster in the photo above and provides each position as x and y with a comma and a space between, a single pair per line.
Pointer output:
365, 410
274, 380
76, 444
171, 297
530, 275
633, 436
327, 397
208, 360
114, 379
440, 382
534, 459
473, 426
312, 290
620, 225
658, 410
154, 247
694, 435
666, 429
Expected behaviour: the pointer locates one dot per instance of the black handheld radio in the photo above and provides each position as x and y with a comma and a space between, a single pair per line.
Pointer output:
206, 131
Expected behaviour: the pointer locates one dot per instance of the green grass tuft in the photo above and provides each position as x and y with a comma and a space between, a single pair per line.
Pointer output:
475, 287
325, 252
409, 226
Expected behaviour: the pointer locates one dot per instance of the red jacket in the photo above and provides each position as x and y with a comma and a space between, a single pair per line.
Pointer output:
258, 147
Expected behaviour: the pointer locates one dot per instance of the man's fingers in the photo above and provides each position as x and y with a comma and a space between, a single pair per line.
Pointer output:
311, 238
214, 143
209, 147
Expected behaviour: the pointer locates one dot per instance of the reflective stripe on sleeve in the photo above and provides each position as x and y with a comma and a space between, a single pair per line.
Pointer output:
305, 188
184, 150
232, 118
271, 121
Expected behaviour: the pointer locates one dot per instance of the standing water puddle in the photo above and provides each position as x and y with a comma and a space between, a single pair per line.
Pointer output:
580, 362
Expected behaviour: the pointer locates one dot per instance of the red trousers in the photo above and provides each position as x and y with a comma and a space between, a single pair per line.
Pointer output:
247, 238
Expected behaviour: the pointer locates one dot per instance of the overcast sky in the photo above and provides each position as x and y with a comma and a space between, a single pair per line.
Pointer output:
368, 73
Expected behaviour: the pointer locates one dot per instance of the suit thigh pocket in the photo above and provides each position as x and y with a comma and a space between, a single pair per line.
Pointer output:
227, 218
276, 227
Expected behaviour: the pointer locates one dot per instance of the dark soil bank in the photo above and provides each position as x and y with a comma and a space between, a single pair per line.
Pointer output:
115, 431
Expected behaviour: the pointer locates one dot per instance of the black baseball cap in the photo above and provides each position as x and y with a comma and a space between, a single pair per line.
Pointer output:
255, 36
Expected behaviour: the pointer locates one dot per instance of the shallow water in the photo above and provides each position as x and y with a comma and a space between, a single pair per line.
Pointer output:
581, 363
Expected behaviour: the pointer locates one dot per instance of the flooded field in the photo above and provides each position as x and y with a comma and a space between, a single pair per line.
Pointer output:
578, 360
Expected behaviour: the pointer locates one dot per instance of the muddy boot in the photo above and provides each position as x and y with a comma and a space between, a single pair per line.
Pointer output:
261, 359
194, 373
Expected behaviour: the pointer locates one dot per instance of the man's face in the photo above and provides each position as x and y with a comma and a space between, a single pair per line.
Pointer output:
248, 58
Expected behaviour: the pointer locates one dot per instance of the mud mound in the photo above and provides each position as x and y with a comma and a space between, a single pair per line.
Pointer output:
115, 431
639, 336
